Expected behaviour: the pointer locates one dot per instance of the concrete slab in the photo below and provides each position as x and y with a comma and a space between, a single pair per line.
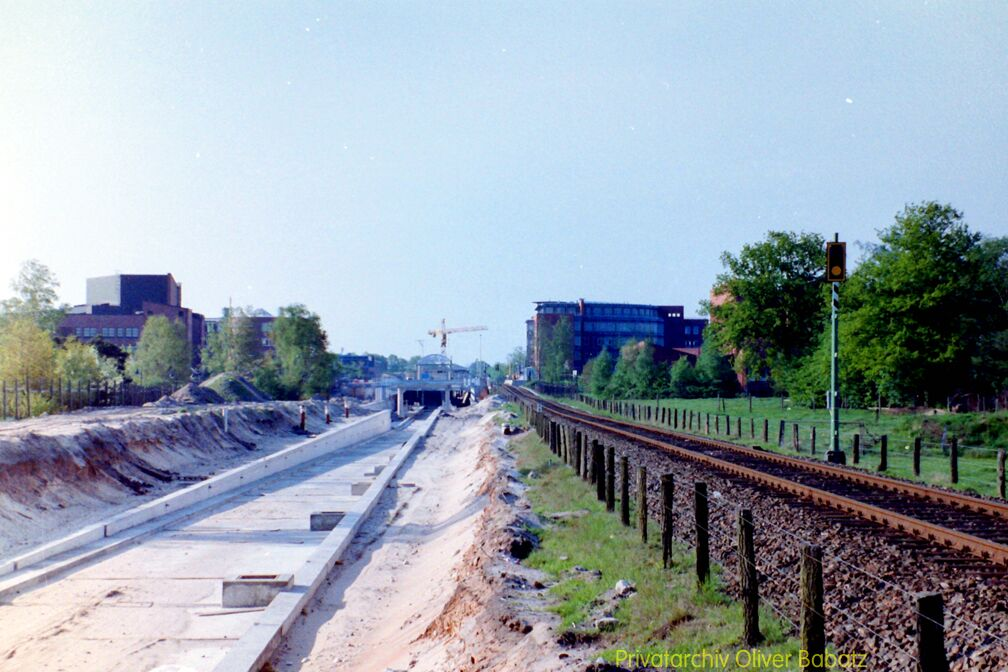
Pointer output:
143, 606
253, 590
324, 521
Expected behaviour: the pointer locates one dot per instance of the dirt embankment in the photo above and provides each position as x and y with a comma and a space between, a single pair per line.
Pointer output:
433, 582
59, 473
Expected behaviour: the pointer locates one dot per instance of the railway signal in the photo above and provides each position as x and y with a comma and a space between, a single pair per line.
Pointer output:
836, 272
836, 261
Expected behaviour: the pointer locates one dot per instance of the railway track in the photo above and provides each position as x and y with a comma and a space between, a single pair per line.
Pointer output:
940, 517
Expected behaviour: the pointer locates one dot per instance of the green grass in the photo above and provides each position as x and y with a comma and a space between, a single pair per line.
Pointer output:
668, 613
977, 463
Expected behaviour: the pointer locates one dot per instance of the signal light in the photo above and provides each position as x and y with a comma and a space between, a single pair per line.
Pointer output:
836, 262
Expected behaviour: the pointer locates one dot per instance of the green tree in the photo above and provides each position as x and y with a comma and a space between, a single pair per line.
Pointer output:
924, 307
714, 373
516, 361
35, 296
622, 385
163, 355
649, 376
27, 353
601, 373
683, 381
305, 367
770, 301
235, 347
557, 351
78, 362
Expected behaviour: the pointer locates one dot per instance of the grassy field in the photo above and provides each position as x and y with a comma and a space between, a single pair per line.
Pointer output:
980, 435
669, 613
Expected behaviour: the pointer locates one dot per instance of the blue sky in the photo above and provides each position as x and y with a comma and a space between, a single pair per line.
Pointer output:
390, 164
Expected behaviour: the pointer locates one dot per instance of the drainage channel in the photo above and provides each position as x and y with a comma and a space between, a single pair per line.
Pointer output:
188, 593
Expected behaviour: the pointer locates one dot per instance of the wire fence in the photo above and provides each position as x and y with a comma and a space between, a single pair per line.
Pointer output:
908, 642
943, 458
33, 397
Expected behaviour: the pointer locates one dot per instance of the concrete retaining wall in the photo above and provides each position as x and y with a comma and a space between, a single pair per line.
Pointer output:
340, 437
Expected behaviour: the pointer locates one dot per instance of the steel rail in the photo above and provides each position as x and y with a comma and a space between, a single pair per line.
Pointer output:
984, 548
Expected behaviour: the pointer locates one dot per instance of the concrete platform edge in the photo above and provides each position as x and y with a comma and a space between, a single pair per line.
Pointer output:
226, 482
260, 641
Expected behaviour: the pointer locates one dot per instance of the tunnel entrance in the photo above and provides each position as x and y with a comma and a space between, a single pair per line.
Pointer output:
432, 398
426, 398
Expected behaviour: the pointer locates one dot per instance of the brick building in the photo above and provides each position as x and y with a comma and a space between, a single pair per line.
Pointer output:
118, 306
596, 326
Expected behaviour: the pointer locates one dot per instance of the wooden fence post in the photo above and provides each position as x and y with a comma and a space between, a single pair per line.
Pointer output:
667, 490
748, 579
708, 424
780, 434
1001, 472
625, 490
702, 518
610, 489
642, 503
752, 428
593, 465
884, 453
931, 633
954, 460
857, 448
738, 427
717, 424
813, 623
795, 439
812, 440
916, 456
598, 457
577, 452
766, 430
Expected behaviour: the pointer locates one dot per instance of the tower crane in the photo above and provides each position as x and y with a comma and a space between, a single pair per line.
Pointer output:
443, 332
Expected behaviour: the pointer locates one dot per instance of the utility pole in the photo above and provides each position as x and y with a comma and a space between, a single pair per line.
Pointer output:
836, 271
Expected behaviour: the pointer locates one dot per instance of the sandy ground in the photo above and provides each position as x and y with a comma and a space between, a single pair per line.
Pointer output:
425, 584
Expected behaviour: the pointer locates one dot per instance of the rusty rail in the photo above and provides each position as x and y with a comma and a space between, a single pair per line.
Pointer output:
984, 548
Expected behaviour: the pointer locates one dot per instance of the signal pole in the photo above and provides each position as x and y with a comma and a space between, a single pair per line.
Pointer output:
836, 253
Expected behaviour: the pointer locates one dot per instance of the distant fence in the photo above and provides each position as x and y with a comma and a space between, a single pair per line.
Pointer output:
23, 399
555, 389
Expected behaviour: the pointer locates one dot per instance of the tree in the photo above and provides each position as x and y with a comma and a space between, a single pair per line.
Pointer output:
649, 376
305, 368
683, 382
556, 350
35, 296
714, 373
516, 361
163, 355
924, 307
601, 373
235, 347
622, 384
78, 362
771, 301
27, 353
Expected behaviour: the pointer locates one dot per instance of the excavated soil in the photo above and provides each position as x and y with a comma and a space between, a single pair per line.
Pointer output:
61, 472
430, 583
